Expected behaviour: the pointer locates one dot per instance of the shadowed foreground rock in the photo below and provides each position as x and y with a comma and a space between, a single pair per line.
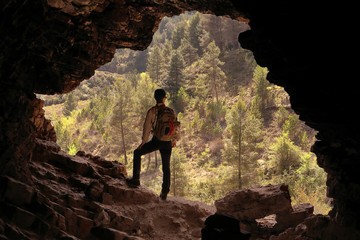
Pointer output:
262, 211
317, 227
85, 197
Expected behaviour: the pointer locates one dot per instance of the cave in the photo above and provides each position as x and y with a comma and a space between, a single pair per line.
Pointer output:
50, 46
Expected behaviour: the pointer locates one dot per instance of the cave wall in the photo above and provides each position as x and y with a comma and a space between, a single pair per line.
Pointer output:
50, 46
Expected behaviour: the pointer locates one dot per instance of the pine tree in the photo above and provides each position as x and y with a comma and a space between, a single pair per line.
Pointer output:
70, 104
144, 95
178, 173
261, 89
154, 65
177, 36
123, 103
175, 77
214, 27
194, 33
166, 53
214, 76
285, 155
292, 127
188, 52
133, 76
245, 130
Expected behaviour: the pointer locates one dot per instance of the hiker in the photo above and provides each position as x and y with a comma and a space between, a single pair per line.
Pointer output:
162, 122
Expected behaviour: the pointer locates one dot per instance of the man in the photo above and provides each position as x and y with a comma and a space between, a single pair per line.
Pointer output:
164, 139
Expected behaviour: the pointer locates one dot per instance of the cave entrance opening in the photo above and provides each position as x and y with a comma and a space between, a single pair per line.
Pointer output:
238, 130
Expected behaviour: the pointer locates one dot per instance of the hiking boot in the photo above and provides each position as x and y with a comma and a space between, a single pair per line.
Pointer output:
163, 196
131, 182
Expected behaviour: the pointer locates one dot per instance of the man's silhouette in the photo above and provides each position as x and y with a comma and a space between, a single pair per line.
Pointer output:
153, 125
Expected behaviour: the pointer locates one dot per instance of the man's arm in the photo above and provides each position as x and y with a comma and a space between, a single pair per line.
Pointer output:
149, 120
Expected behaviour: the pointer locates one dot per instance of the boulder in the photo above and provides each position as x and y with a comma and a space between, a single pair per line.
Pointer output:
263, 211
295, 217
255, 203
219, 226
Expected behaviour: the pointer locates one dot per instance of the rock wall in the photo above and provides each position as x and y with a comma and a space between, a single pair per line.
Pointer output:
50, 46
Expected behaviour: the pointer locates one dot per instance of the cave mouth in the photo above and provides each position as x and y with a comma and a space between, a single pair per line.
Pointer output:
275, 149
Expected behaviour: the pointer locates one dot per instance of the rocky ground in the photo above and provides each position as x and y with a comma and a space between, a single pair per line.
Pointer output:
86, 197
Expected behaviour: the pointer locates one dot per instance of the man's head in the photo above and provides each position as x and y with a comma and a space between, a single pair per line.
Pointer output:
159, 95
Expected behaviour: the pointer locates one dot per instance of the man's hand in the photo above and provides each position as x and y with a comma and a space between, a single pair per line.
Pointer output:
173, 144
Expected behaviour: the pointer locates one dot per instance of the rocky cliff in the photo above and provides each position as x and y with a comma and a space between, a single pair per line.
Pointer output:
50, 46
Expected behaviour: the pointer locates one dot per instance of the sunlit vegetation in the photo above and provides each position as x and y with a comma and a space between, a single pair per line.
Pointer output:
238, 130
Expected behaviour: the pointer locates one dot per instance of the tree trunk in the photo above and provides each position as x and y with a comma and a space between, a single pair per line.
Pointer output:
156, 160
239, 157
214, 81
123, 139
220, 33
149, 160
174, 181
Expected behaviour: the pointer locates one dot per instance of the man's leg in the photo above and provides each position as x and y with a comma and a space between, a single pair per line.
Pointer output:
165, 152
146, 148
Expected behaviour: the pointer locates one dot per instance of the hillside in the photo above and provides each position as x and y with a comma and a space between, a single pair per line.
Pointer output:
238, 130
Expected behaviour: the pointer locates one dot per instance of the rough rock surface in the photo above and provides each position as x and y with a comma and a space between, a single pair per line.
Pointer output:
50, 46
263, 211
255, 203
317, 227
44, 129
86, 197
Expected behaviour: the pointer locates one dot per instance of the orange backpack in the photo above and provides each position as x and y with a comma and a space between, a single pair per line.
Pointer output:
166, 125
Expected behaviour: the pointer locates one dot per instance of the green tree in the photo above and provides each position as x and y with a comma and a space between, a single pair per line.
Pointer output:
122, 108
175, 77
74, 147
285, 155
210, 65
178, 173
70, 104
292, 127
281, 116
214, 27
100, 109
62, 135
133, 76
194, 33
182, 99
177, 36
188, 52
245, 130
262, 97
166, 53
144, 95
154, 65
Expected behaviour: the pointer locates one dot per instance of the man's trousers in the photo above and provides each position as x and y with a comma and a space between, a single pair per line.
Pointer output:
165, 148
